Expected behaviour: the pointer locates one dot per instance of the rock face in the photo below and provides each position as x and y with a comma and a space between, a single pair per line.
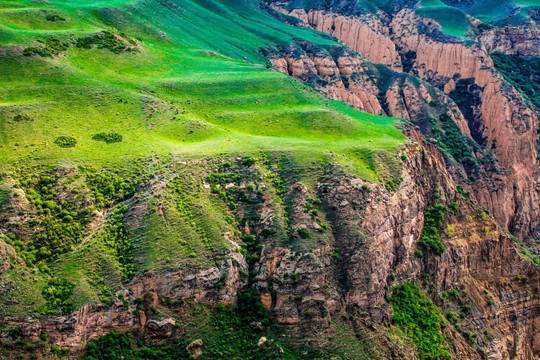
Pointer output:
201, 286
367, 36
503, 122
512, 40
363, 241
340, 262
499, 120
344, 77
195, 348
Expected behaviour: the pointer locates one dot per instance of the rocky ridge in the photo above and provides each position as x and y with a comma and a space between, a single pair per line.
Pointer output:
499, 121
369, 244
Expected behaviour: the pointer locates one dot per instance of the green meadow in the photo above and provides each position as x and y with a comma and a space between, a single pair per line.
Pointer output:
193, 84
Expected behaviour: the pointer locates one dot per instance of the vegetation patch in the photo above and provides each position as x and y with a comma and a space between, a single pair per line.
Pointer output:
433, 219
522, 73
452, 140
116, 237
107, 40
65, 141
57, 293
51, 47
420, 320
22, 117
109, 138
54, 17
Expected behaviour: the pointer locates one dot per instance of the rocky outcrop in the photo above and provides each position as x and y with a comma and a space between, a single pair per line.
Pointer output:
202, 286
195, 348
511, 40
344, 78
366, 35
500, 121
507, 126
361, 242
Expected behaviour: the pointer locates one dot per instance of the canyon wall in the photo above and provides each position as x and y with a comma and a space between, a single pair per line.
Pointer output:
364, 240
499, 121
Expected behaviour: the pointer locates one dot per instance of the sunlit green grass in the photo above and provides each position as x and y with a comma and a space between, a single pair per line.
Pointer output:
196, 87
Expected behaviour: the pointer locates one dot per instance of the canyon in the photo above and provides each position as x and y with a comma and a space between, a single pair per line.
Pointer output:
415, 237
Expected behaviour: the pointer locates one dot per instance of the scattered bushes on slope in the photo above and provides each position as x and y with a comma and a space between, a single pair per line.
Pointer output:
106, 40
523, 73
420, 320
57, 292
52, 47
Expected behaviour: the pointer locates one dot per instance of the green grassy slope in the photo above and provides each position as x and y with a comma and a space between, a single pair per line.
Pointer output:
176, 80
194, 85
452, 14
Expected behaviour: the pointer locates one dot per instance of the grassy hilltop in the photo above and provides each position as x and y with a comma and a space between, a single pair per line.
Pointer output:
168, 76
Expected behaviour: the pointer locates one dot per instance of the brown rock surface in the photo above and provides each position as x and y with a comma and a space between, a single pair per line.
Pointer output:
502, 122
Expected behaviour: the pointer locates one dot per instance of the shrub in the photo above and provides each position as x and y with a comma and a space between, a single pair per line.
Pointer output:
393, 184
418, 253
303, 234
444, 295
105, 40
462, 191
57, 292
111, 346
22, 117
65, 141
52, 47
449, 230
453, 207
54, 17
452, 318
248, 161
109, 138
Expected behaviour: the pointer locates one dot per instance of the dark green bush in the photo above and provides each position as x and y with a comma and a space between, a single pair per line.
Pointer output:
248, 161
109, 138
54, 17
304, 234
22, 117
65, 141
462, 191
106, 40
52, 47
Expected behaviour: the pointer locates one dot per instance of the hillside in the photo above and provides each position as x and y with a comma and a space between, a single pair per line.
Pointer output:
245, 180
